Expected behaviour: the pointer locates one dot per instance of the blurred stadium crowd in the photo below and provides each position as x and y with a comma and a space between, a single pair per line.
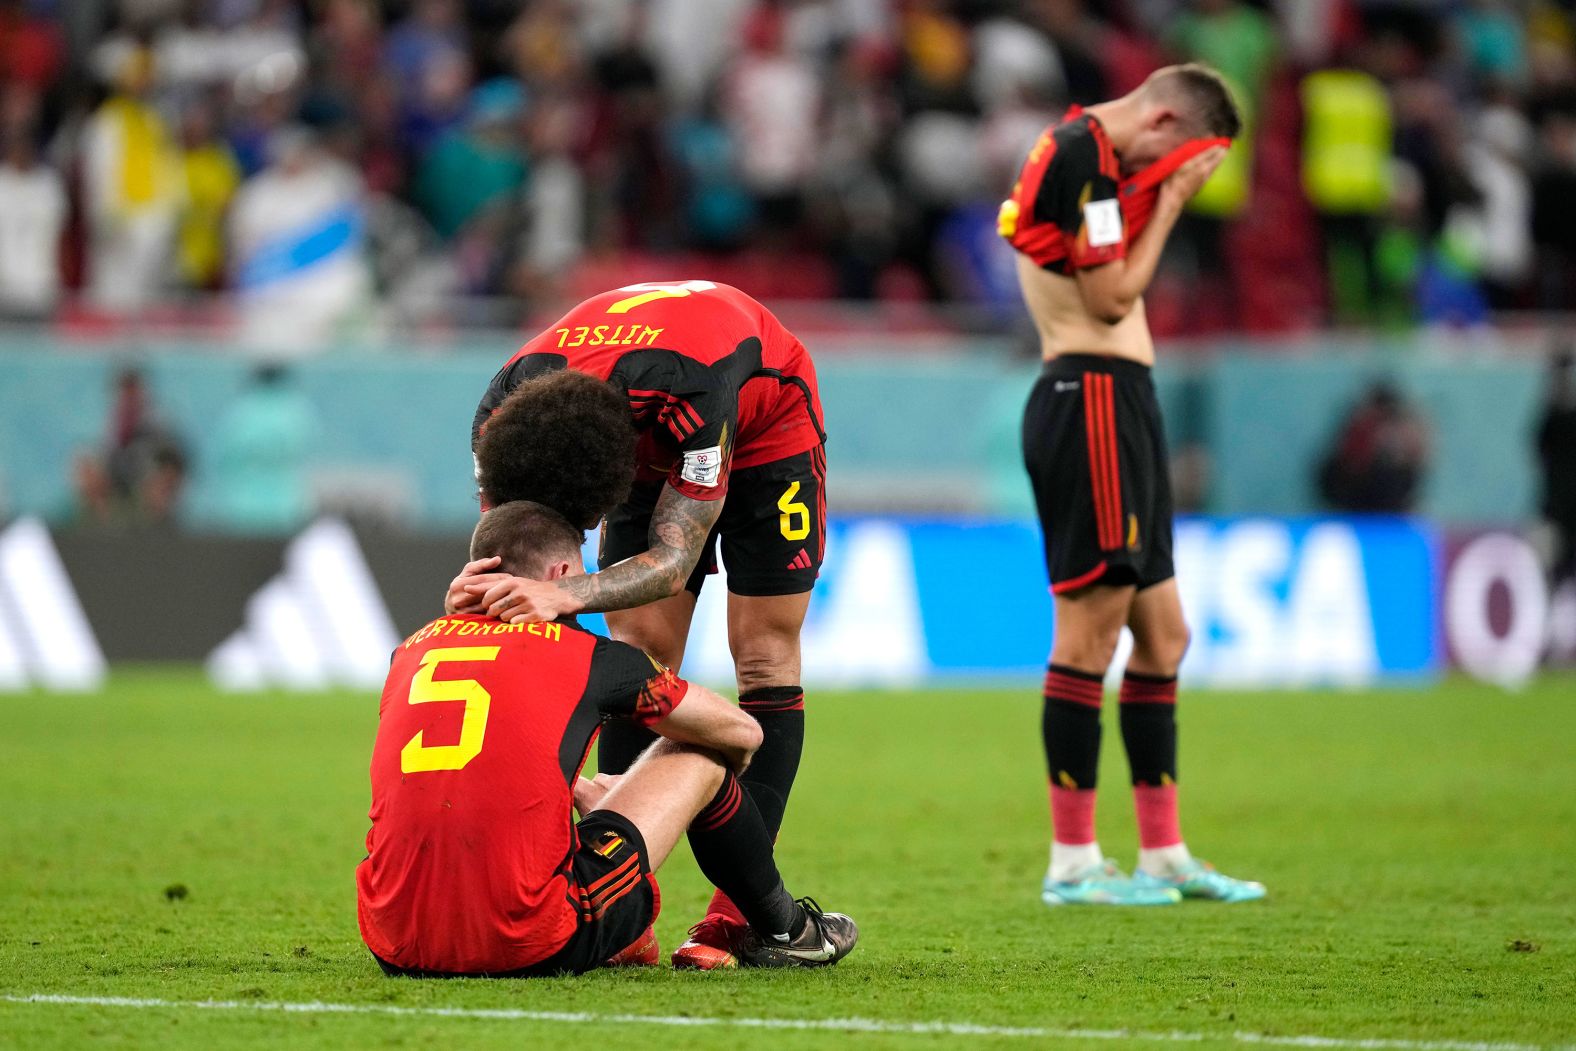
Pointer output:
1407, 160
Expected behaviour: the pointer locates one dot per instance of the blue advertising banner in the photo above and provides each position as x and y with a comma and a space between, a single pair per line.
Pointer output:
1270, 602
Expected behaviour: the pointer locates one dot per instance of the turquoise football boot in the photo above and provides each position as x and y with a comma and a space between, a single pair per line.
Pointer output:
1198, 879
1105, 884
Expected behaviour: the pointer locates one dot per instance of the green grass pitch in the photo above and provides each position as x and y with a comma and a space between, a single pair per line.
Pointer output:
1419, 847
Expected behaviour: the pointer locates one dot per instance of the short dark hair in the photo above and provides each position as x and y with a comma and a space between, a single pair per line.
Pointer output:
526, 537
564, 439
1204, 92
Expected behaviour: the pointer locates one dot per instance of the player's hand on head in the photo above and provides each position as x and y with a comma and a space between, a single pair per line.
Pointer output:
516, 600
1192, 175
478, 572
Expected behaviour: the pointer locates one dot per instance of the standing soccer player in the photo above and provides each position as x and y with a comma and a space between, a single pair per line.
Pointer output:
1089, 217
719, 403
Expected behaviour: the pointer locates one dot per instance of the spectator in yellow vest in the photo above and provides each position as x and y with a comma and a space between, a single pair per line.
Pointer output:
211, 176
1240, 41
1347, 148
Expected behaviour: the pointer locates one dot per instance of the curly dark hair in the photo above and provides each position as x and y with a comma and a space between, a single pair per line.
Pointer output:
564, 440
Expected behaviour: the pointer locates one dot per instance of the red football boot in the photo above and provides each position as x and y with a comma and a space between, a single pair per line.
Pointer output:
710, 946
713, 941
644, 952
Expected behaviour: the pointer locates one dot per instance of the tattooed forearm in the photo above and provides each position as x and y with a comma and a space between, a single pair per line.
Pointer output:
679, 527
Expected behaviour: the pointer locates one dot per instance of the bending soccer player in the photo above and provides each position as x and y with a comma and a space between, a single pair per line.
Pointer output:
717, 403
1089, 217
475, 865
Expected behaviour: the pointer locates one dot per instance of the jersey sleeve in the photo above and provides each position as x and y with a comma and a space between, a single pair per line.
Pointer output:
1079, 195
625, 683
701, 417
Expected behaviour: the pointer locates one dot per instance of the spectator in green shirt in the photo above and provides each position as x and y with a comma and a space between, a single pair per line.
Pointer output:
473, 167
1231, 36
262, 443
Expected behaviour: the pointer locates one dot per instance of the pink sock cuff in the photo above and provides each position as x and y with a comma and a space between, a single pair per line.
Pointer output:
1072, 815
1158, 823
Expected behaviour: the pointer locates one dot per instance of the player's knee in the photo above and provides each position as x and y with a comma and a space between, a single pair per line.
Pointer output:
1173, 643
1089, 649
1163, 648
663, 646
759, 668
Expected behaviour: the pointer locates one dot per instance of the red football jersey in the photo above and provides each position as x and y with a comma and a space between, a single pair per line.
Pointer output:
714, 379
482, 729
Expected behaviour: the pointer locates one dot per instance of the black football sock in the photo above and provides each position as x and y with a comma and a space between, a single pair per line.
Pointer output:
1070, 726
620, 744
734, 850
770, 777
1149, 727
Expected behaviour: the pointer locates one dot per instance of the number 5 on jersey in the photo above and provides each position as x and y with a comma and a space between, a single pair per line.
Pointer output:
417, 757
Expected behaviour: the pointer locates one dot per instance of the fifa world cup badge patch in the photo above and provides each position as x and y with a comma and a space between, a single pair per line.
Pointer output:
610, 843
1103, 221
702, 466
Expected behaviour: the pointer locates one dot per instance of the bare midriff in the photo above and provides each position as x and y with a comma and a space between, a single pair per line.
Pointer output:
1067, 327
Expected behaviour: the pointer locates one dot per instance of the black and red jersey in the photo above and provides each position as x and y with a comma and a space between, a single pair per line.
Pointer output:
1064, 211
1071, 208
714, 380
482, 729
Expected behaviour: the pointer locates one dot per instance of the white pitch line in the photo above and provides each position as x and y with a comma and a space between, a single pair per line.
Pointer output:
837, 1025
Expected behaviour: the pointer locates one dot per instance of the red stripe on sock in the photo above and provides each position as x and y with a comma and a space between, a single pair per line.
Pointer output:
718, 814
1064, 687
1140, 691
774, 704
720, 819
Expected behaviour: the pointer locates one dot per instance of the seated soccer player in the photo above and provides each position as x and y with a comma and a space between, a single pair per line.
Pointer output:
475, 864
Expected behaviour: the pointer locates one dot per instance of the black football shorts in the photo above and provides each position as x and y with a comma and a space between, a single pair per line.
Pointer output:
1095, 451
614, 890
772, 529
